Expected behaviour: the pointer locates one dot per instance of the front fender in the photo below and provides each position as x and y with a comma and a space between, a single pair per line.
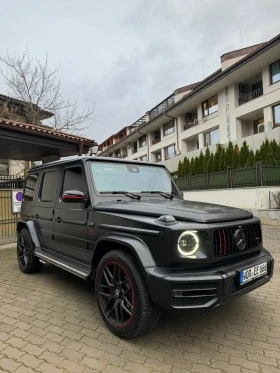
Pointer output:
134, 244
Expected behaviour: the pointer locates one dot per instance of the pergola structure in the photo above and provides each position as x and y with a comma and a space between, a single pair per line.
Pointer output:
20, 141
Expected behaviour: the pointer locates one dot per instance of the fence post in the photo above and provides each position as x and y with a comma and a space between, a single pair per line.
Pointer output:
259, 174
229, 177
206, 181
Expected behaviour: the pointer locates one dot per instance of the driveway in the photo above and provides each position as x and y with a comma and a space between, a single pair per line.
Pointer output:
49, 323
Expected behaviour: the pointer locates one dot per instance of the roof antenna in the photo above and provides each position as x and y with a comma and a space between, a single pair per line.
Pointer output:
203, 68
241, 39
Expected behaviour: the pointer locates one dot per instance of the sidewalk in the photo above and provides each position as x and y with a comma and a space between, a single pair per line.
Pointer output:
7, 245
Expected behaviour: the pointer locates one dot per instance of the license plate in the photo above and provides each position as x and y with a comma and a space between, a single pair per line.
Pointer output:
252, 273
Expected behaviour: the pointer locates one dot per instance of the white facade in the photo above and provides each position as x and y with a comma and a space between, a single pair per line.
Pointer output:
237, 102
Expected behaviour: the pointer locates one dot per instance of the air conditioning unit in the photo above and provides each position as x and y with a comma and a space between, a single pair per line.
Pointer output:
189, 116
261, 128
244, 87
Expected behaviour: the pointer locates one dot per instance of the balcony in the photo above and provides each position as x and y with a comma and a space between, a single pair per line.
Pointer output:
155, 141
190, 124
249, 96
162, 107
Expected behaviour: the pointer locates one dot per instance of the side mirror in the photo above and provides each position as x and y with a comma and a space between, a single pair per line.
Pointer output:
74, 196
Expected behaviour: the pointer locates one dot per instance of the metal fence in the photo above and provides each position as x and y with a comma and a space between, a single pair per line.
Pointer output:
8, 219
11, 182
259, 175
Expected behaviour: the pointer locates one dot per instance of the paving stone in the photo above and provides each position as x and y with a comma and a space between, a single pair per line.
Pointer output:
59, 329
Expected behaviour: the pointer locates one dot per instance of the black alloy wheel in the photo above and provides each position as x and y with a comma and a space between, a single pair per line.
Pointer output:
122, 296
116, 294
25, 253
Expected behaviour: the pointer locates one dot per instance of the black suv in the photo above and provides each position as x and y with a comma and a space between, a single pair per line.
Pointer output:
125, 225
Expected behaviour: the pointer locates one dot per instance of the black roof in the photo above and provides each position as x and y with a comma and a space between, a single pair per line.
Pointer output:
92, 158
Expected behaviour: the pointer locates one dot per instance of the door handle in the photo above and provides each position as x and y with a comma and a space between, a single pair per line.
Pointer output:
59, 220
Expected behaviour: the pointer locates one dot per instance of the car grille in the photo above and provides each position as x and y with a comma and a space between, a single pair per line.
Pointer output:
193, 294
224, 242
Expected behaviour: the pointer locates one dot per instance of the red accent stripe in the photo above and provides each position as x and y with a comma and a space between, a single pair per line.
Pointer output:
225, 242
221, 243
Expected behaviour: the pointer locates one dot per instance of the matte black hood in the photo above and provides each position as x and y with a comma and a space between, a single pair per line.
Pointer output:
199, 212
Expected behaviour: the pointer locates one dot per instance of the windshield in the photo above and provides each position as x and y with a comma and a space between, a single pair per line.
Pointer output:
112, 177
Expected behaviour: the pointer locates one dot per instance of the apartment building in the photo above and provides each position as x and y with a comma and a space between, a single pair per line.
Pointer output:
239, 101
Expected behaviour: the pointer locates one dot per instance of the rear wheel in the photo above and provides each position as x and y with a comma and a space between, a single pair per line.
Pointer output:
25, 253
123, 297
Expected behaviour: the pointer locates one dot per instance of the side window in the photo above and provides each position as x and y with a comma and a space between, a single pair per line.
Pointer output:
29, 188
49, 183
74, 180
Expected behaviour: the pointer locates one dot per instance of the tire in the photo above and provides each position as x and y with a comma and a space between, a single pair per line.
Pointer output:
122, 296
27, 262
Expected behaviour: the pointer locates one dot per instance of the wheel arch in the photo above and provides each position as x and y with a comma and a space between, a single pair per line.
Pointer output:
30, 226
130, 244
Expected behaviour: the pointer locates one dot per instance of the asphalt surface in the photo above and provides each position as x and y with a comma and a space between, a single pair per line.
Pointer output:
49, 323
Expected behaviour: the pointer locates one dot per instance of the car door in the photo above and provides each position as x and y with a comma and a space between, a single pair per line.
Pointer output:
70, 223
43, 211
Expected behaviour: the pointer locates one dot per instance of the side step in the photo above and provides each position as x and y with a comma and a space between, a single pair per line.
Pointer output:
68, 265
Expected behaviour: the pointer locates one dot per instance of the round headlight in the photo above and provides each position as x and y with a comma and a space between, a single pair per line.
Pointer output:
188, 243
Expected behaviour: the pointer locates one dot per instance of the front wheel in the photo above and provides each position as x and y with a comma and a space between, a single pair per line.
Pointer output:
25, 253
122, 295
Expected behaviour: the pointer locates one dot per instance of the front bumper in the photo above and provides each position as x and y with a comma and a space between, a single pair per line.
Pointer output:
195, 288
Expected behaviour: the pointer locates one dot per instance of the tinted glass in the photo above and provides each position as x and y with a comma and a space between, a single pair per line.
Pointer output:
49, 185
169, 152
275, 72
168, 128
276, 115
74, 180
30, 186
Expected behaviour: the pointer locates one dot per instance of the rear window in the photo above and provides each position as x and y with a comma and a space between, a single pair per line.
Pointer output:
30, 186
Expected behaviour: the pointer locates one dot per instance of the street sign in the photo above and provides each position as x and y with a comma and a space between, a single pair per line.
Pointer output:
16, 200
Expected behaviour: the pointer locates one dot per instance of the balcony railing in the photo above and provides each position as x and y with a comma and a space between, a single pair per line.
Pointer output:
155, 141
190, 124
162, 107
250, 96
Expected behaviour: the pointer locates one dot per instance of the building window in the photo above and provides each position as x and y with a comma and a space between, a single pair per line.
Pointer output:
169, 152
211, 137
144, 158
134, 147
156, 137
168, 128
118, 154
157, 156
210, 106
142, 141
276, 115
275, 72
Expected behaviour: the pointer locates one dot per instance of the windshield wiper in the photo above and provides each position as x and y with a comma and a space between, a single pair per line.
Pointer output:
128, 194
164, 194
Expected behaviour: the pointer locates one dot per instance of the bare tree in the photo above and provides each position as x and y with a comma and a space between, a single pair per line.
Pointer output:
36, 84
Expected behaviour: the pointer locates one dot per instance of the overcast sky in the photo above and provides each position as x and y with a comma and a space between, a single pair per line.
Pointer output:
128, 55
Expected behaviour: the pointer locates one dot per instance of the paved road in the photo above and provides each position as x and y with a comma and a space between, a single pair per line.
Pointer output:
49, 323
